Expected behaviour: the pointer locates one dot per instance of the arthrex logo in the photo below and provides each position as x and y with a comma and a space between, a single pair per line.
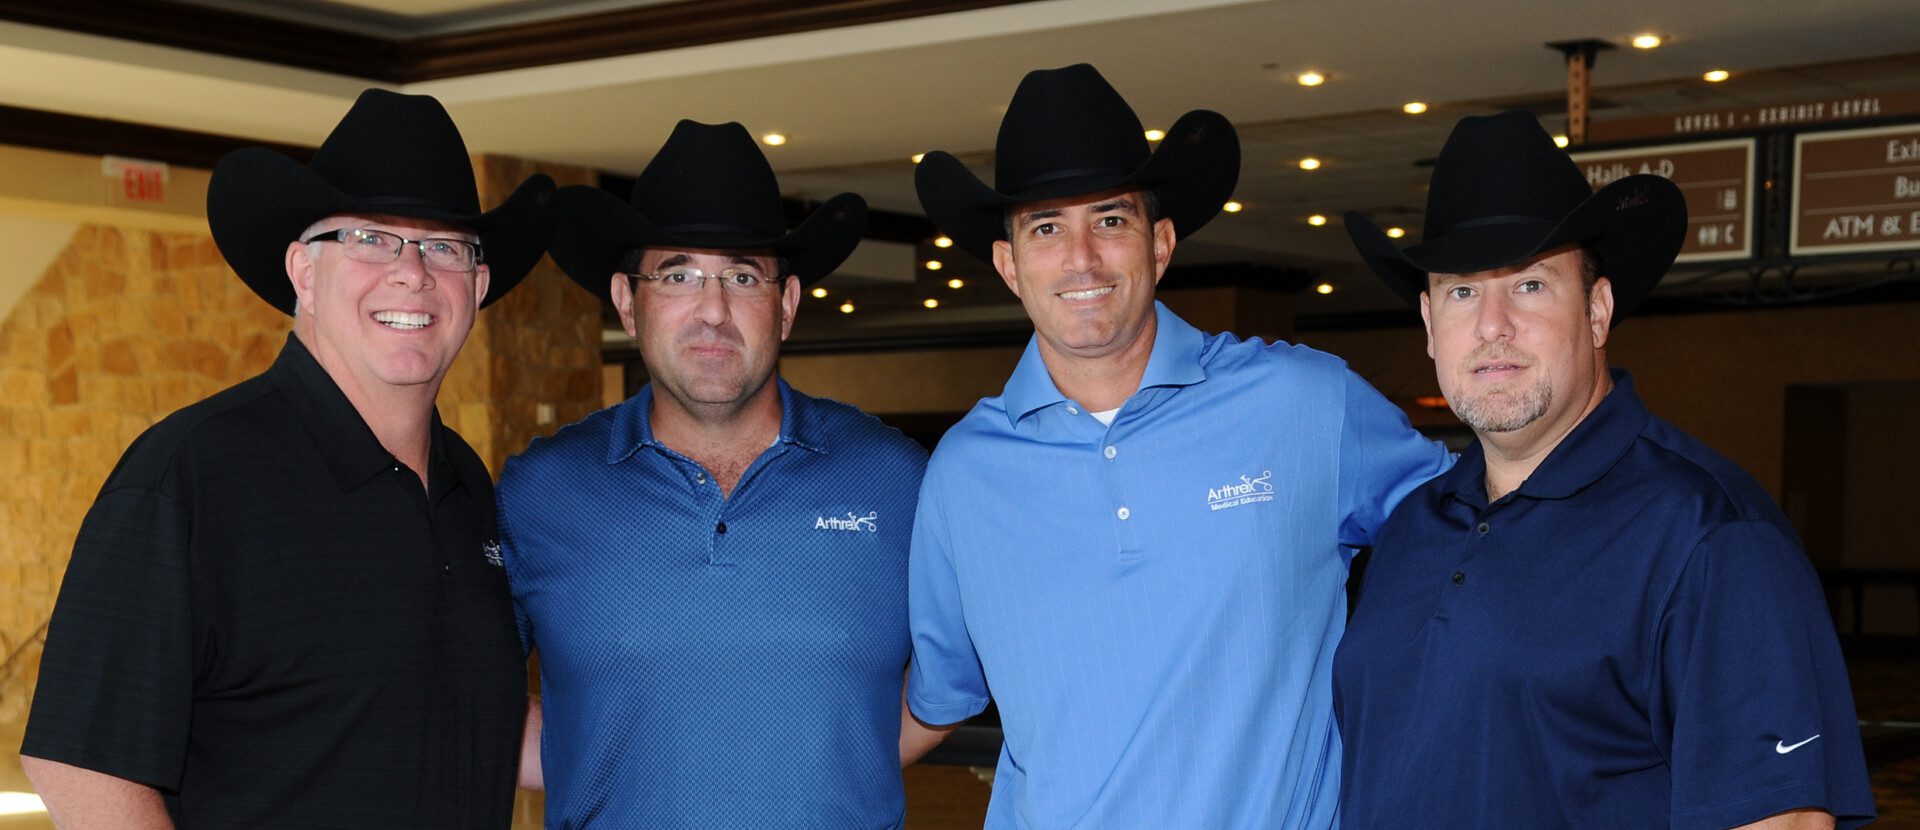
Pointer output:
1248, 491
491, 549
852, 522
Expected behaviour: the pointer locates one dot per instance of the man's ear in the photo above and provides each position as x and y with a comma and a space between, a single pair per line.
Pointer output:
299, 262
1600, 311
622, 292
1163, 241
1003, 262
1426, 318
482, 280
789, 304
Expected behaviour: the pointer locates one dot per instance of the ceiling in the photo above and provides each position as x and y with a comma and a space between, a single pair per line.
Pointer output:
857, 101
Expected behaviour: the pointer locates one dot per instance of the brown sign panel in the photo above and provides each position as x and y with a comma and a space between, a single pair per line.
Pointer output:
1743, 119
1856, 190
1716, 177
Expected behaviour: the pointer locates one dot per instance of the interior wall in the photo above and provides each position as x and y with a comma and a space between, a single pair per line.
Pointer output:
1882, 481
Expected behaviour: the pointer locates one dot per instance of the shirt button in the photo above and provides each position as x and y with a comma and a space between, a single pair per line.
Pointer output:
1111, 452
720, 528
1072, 411
446, 567
699, 478
1484, 528
1459, 577
1123, 513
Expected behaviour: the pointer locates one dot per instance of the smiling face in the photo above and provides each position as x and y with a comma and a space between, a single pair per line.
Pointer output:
1520, 350
382, 328
1085, 268
714, 352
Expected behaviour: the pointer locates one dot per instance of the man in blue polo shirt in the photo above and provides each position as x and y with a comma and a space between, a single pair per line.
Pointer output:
1140, 546
714, 571
1593, 620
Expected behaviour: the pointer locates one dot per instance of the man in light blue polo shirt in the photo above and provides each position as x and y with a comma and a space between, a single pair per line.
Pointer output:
714, 571
1141, 545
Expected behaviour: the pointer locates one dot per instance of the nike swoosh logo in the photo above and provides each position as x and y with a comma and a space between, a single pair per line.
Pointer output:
1783, 747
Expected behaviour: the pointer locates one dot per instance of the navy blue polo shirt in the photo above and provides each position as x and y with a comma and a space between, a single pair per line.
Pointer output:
1632, 638
710, 661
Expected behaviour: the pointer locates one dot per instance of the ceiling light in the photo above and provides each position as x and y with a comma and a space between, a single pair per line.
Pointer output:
930, 302
1413, 108
956, 282
819, 293
1316, 220
1309, 163
846, 307
1715, 76
1396, 233
1311, 78
1323, 288
934, 265
1560, 141
1232, 207
917, 157
1646, 41
943, 242
1156, 135
774, 139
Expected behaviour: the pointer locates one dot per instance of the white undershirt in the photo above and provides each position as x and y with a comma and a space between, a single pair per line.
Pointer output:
1107, 416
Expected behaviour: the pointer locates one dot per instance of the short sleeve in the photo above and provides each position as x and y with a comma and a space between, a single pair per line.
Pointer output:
115, 693
945, 683
1382, 459
510, 558
1752, 706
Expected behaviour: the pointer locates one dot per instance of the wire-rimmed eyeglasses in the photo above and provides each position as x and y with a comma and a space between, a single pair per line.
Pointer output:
381, 247
686, 282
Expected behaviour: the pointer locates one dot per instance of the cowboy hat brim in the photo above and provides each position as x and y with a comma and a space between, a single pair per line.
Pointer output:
1635, 225
596, 230
1192, 174
259, 200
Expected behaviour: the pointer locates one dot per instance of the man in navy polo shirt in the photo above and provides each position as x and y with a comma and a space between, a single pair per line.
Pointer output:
714, 571
1141, 545
1593, 620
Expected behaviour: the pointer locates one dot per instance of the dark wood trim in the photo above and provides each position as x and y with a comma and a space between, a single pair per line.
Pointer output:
103, 137
397, 61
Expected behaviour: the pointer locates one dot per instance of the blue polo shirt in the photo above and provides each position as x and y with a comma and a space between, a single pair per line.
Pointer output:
1154, 604
1633, 638
710, 662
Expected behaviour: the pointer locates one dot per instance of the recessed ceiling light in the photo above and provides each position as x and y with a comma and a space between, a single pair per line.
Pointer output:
1413, 108
1323, 288
956, 282
1232, 207
1396, 233
917, 157
1309, 163
1559, 141
1316, 220
943, 241
1715, 76
1156, 135
819, 293
934, 265
1310, 78
930, 302
1646, 41
846, 307
774, 139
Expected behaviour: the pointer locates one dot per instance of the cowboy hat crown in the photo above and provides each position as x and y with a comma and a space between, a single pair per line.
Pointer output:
392, 154
708, 187
1067, 132
1503, 192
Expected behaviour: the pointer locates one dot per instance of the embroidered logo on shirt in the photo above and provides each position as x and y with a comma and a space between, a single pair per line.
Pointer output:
1248, 491
491, 549
1783, 747
852, 523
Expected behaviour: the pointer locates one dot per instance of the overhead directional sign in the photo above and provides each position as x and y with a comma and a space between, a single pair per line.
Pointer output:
1856, 191
1716, 177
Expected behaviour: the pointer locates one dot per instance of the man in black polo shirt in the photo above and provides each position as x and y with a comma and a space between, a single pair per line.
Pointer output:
286, 607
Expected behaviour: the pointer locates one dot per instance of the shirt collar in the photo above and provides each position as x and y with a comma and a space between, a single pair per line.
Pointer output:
1174, 361
350, 450
633, 424
1587, 453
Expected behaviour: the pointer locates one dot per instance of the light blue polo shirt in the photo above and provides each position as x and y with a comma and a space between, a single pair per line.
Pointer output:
712, 662
1155, 605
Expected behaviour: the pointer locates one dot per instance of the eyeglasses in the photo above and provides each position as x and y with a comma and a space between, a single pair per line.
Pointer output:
380, 248
686, 282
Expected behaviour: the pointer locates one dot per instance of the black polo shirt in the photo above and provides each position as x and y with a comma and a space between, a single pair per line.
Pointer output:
268, 619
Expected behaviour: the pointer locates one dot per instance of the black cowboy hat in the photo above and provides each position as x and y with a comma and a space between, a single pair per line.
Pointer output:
708, 187
1503, 192
1068, 133
394, 155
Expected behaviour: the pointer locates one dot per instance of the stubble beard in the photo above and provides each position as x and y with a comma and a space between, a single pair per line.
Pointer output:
1505, 410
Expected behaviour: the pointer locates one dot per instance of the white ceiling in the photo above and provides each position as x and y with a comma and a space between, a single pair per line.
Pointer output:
858, 101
